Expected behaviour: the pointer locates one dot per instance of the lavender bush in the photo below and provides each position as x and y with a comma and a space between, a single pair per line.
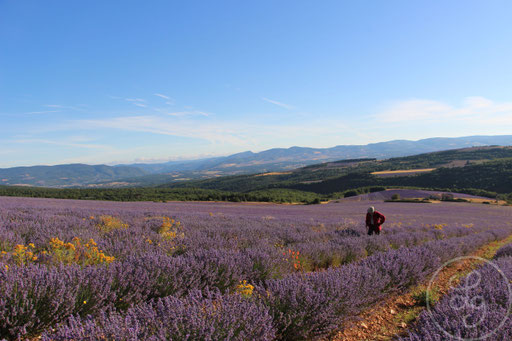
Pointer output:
478, 309
33, 298
195, 317
504, 251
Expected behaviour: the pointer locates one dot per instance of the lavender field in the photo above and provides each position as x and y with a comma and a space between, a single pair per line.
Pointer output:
478, 309
86, 270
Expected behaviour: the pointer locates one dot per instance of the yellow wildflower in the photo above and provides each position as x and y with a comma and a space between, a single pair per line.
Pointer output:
245, 289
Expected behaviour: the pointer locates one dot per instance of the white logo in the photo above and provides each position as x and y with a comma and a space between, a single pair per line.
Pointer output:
465, 298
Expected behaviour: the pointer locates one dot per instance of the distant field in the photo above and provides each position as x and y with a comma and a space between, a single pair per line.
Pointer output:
402, 172
273, 173
411, 194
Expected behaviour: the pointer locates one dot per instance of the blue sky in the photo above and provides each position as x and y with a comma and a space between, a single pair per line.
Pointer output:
123, 81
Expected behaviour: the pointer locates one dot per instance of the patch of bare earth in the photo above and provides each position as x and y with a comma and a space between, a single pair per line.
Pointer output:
397, 312
402, 172
273, 173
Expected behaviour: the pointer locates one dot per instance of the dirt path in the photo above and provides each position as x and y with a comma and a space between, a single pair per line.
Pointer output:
397, 312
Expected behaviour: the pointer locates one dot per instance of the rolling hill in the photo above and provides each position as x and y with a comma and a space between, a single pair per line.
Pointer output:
285, 160
65, 175
280, 159
478, 167
324, 163
481, 171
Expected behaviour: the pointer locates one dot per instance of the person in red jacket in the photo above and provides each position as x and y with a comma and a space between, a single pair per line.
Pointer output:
374, 220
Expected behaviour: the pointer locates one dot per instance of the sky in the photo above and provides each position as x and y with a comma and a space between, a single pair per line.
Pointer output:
125, 81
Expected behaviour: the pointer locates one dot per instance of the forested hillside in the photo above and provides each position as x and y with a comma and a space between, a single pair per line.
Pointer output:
493, 176
486, 168
479, 171
66, 175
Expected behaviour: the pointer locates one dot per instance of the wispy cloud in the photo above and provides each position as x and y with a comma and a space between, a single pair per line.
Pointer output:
189, 113
162, 96
138, 102
234, 133
477, 110
60, 106
169, 100
164, 126
279, 104
41, 112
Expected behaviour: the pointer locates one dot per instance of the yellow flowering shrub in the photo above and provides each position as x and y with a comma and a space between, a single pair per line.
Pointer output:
171, 229
23, 254
245, 289
109, 223
436, 226
76, 252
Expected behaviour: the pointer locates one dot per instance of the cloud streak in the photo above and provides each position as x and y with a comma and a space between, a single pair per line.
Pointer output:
279, 104
213, 132
189, 113
162, 96
226, 133
41, 112
60, 106
168, 100
473, 110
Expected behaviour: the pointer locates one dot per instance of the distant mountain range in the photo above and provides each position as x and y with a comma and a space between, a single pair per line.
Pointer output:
486, 168
65, 175
278, 159
272, 160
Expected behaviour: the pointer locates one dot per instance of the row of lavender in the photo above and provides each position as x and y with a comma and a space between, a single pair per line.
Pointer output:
161, 265
297, 307
478, 309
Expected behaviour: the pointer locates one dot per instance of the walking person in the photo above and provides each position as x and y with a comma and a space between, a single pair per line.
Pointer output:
374, 220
